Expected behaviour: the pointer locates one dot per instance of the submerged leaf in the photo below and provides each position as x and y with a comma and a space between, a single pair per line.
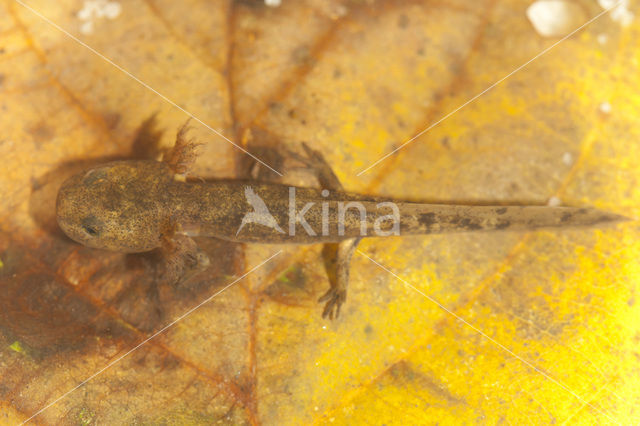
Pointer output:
510, 327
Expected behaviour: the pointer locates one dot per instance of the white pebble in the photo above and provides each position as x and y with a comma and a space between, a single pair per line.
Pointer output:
112, 10
85, 13
606, 4
620, 13
97, 9
555, 18
554, 202
605, 107
86, 27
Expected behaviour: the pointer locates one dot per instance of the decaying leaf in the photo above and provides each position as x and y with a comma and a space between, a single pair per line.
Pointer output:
539, 327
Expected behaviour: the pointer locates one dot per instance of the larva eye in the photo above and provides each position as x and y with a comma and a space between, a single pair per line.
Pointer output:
90, 226
90, 230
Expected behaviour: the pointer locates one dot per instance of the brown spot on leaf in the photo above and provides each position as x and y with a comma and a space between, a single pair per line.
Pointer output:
111, 119
302, 55
403, 21
41, 132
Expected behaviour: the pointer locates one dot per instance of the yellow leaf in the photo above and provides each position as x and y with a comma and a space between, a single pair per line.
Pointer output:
486, 328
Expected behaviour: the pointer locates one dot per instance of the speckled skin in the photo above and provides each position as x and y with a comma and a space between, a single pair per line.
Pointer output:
121, 206
129, 206
139, 205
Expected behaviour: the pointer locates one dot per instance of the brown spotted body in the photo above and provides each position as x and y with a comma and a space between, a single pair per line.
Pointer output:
129, 206
139, 205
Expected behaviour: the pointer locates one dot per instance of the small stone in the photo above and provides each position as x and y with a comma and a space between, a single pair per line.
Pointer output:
605, 107
555, 18
86, 27
620, 12
84, 14
554, 202
602, 39
112, 10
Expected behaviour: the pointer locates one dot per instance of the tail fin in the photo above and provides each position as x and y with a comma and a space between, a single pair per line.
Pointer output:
441, 218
